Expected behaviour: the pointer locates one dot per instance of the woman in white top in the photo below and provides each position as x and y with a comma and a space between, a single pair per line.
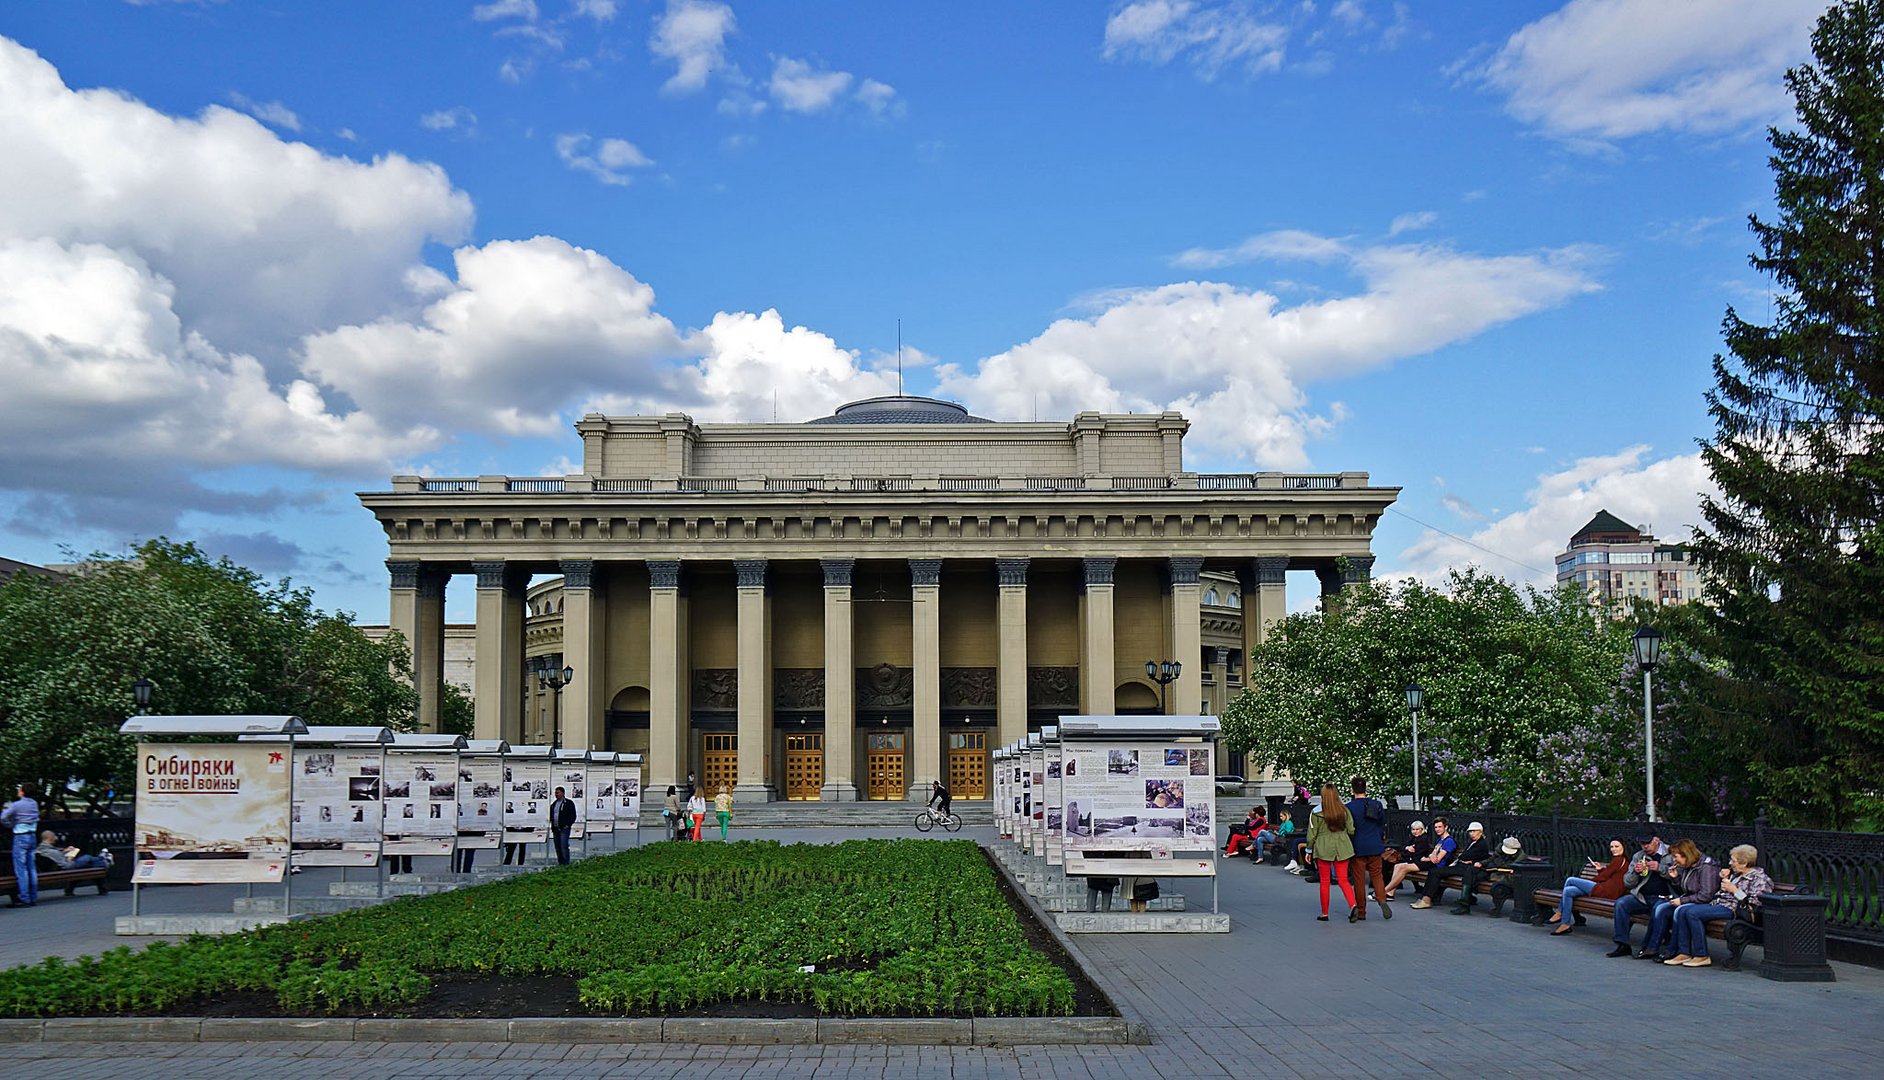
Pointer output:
696, 809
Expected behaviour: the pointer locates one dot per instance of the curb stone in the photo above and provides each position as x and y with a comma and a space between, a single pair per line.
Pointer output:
926, 1031
557, 1029
248, 1028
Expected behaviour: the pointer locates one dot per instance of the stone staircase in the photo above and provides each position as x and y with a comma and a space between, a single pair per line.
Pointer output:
884, 815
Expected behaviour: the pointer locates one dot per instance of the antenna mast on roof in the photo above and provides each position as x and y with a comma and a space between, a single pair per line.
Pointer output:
899, 358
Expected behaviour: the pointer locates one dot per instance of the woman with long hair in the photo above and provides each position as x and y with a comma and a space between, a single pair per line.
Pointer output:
1606, 885
1331, 838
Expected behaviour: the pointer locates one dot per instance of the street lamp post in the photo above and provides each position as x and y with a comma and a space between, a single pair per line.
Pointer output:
1164, 673
140, 693
553, 680
1415, 697
1648, 653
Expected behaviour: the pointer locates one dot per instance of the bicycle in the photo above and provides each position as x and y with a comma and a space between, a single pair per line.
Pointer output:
929, 818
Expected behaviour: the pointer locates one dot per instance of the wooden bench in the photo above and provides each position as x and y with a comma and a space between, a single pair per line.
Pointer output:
1736, 932
69, 880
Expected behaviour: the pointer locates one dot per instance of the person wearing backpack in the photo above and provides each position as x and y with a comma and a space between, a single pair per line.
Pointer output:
1370, 844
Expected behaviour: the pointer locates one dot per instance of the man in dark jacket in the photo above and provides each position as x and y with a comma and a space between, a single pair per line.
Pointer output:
1643, 883
1470, 863
1370, 843
562, 819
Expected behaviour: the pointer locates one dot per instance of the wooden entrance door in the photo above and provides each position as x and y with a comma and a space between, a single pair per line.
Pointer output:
804, 766
883, 765
720, 764
968, 764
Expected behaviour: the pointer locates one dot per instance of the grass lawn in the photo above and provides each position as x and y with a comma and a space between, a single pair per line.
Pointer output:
886, 927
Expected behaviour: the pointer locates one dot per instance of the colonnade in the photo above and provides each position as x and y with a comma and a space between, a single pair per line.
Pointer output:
417, 611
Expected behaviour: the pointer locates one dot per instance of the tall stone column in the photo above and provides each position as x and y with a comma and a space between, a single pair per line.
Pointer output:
497, 693
1185, 697
585, 637
1011, 656
925, 590
840, 685
418, 612
755, 683
1265, 600
668, 675
1339, 574
1098, 674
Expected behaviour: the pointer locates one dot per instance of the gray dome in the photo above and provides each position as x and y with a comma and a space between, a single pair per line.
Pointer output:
900, 409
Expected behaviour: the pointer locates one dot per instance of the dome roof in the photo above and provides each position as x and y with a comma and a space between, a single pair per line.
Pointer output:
900, 409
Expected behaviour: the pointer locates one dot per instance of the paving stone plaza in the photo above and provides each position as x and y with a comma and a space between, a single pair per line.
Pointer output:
1281, 995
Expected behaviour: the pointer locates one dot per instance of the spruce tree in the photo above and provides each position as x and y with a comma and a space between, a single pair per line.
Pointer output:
1793, 554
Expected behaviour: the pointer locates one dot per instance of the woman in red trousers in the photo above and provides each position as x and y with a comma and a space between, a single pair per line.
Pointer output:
1331, 838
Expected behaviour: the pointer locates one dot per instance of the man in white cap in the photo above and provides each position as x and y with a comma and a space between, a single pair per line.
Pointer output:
1469, 863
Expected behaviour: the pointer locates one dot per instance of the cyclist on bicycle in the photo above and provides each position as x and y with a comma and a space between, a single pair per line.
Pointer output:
939, 796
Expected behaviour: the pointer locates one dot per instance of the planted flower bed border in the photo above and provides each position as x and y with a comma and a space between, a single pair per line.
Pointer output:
680, 934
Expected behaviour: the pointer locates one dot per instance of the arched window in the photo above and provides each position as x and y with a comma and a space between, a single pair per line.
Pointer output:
1210, 597
1236, 600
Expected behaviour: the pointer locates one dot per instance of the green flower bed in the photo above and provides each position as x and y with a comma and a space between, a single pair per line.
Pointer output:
888, 927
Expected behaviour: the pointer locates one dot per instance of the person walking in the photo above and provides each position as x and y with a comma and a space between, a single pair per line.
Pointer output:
1370, 845
723, 809
562, 819
696, 810
1331, 838
21, 819
670, 813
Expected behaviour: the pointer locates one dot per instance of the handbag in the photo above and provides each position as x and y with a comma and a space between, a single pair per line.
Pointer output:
1145, 889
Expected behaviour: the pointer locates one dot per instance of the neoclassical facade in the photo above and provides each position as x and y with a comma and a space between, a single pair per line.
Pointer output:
854, 606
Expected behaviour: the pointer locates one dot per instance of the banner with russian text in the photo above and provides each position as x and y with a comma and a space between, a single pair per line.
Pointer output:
223, 805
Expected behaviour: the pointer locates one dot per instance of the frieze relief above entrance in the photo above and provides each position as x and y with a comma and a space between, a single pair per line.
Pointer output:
968, 688
885, 686
716, 689
1053, 688
798, 688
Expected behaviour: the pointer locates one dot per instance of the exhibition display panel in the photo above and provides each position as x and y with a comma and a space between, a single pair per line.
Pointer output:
420, 790
1139, 795
481, 794
526, 795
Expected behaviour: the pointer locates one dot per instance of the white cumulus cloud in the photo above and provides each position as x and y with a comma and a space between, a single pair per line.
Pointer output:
272, 113
606, 161
1211, 37
1236, 360
692, 34
799, 87
1664, 493
1611, 69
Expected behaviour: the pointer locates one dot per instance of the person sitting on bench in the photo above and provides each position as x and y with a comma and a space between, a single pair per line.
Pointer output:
68, 858
1741, 886
1472, 861
1409, 858
1606, 886
1437, 861
1244, 835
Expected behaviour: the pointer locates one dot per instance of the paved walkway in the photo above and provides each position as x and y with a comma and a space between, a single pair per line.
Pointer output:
1426, 993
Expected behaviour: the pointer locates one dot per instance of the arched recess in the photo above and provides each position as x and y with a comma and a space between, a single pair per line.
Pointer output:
1136, 698
631, 699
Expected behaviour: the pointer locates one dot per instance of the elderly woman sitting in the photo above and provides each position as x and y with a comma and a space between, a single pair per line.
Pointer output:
1416, 849
1741, 883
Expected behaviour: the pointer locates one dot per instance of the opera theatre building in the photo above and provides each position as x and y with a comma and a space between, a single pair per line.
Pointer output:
851, 607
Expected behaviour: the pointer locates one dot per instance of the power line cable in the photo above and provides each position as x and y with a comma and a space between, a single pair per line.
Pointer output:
1471, 544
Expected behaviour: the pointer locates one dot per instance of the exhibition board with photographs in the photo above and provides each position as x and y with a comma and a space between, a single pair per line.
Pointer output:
601, 814
420, 789
526, 800
1135, 795
480, 801
573, 778
1037, 816
1003, 820
628, 795
1055, 809
336, 813
212, 812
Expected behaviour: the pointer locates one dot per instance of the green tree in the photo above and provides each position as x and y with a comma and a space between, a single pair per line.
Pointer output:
1504, 671
214, 636
455, 712
1793, 551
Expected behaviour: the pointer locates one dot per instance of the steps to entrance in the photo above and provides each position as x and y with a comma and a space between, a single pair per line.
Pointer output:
303, 905
882, 815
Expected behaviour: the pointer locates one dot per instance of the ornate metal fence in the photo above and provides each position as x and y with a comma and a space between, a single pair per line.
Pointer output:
1846, 868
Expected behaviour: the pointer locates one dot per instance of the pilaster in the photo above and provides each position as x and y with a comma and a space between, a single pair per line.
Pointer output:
1186, 696
1011, 655
925, 588
668, 671
497, 693
1097, 674
755, 683
585, 637
840, 687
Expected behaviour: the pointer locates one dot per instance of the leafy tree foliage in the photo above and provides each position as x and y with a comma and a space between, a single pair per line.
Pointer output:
1513, 682
1794, 551
214, 636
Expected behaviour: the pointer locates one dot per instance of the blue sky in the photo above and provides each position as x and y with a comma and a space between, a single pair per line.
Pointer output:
256, 257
